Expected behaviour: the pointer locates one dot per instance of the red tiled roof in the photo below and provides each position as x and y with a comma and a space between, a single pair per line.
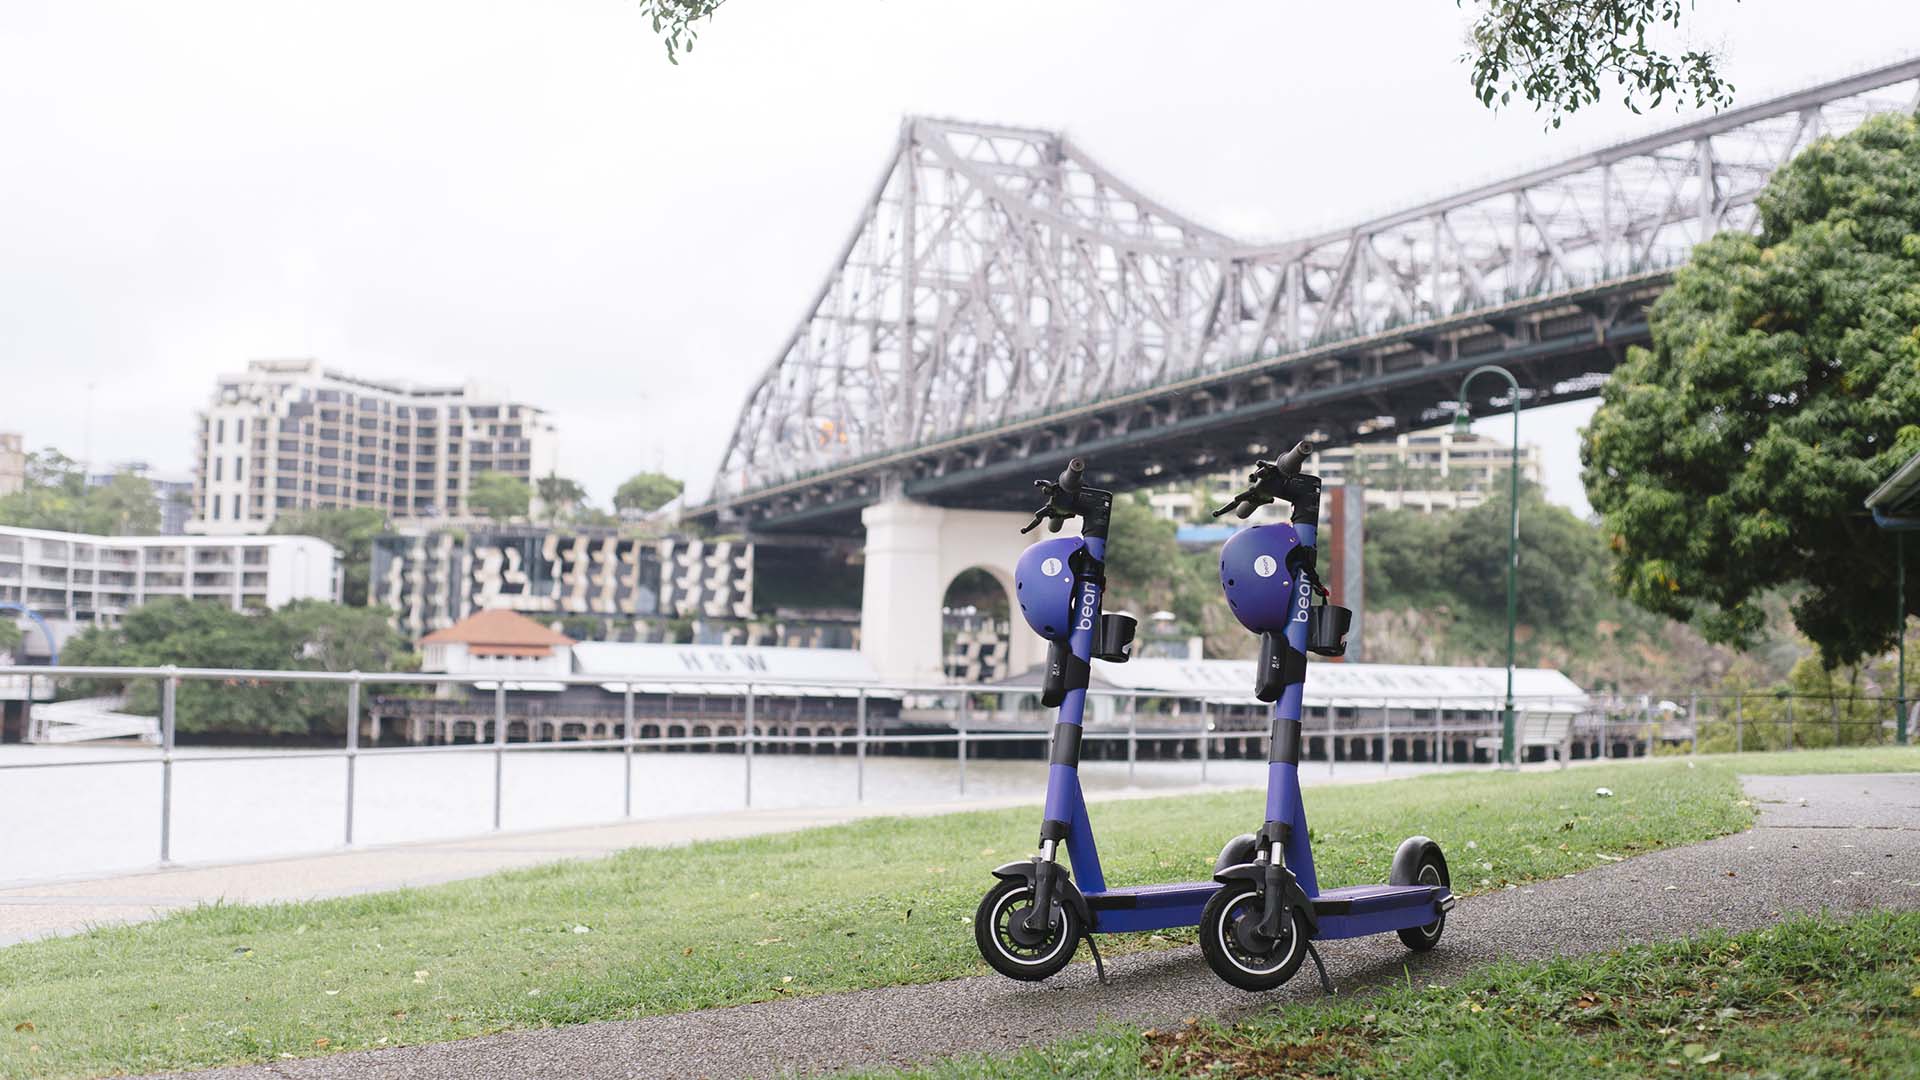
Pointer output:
497, 627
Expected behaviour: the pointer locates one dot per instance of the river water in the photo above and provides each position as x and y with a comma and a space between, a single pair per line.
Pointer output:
98, 818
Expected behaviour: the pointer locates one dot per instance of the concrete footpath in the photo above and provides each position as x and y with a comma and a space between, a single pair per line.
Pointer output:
1845, 844
73, 905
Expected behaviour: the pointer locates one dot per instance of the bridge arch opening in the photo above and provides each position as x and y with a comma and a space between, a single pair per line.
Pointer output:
975, 624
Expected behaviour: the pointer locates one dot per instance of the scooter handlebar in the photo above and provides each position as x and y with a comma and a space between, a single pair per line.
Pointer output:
1266, 478
1062, 496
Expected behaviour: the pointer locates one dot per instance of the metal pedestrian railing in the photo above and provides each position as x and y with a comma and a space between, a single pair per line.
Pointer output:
969, 721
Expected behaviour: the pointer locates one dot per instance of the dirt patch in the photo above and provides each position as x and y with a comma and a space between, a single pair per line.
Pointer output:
1196, 1049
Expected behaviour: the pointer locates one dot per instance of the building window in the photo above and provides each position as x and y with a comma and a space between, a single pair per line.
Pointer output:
220, 431
240, 430
236, 508
219, 467
239, 469
215, 500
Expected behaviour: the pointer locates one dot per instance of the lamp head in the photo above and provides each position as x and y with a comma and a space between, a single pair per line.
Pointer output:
1462, 422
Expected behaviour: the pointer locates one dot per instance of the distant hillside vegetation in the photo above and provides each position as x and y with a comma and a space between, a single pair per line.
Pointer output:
1436, 594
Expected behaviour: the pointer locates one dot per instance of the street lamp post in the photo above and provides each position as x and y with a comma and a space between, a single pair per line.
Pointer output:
1463, 424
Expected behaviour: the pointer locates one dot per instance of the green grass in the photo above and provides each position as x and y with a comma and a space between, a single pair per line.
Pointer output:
877, 903
1813, 997
1857, 759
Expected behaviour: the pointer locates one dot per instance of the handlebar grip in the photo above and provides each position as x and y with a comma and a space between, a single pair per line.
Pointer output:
1290, 463
1070, 476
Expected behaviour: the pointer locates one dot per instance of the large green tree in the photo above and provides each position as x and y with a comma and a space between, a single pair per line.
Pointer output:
674, 21
1562, 55
56, 496
1783, 383
1147, 571
643, 493
1559, 55
499, 496
1460, 559
303, 636
559, 496
351, 530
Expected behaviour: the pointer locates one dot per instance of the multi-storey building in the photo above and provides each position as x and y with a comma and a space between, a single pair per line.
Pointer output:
1427, 470
432, 580
13, 463
292, 435
74, 580
1422, 470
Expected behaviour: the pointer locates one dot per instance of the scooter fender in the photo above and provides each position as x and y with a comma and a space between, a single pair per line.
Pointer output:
1406, 861
1062, 884
1292, 895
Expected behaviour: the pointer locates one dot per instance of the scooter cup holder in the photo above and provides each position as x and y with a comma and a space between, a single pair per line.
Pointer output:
1327, 626
1113, 641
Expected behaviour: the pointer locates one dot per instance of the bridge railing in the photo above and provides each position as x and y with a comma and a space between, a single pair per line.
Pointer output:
943, 731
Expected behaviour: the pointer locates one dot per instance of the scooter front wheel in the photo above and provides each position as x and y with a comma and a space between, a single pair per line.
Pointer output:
999, 928
1238, 952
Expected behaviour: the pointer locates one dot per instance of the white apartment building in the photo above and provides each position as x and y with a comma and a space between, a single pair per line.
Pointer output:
1427, 470
74, 580
292, 435
1421, 470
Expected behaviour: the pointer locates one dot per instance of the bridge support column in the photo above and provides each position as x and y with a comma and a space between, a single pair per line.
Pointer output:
913, 553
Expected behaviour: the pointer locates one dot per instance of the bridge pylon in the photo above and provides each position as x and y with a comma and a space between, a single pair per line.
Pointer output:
914, 551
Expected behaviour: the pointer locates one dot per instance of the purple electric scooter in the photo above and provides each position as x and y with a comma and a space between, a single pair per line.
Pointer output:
1269, 910
1031, 922
1259, 916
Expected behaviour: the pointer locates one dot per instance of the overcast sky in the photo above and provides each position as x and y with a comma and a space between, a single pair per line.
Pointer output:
527, 193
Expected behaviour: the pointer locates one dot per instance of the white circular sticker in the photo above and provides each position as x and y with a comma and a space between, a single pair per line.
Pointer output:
1051, 567
1265, 566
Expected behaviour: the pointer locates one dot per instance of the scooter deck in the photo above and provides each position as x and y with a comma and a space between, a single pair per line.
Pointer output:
1353, 911
1149, 907
1359, 910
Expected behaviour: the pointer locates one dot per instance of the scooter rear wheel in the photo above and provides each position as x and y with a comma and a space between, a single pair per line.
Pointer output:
1428, 867
1012, 952
1240, 955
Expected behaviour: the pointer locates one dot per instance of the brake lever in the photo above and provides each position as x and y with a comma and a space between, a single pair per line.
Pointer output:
1039, 516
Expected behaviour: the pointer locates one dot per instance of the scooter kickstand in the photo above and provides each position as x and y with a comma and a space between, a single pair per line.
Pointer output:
1099, 968
1326, 984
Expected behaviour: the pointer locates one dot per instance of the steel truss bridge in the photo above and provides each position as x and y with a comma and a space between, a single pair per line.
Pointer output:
1006, 302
